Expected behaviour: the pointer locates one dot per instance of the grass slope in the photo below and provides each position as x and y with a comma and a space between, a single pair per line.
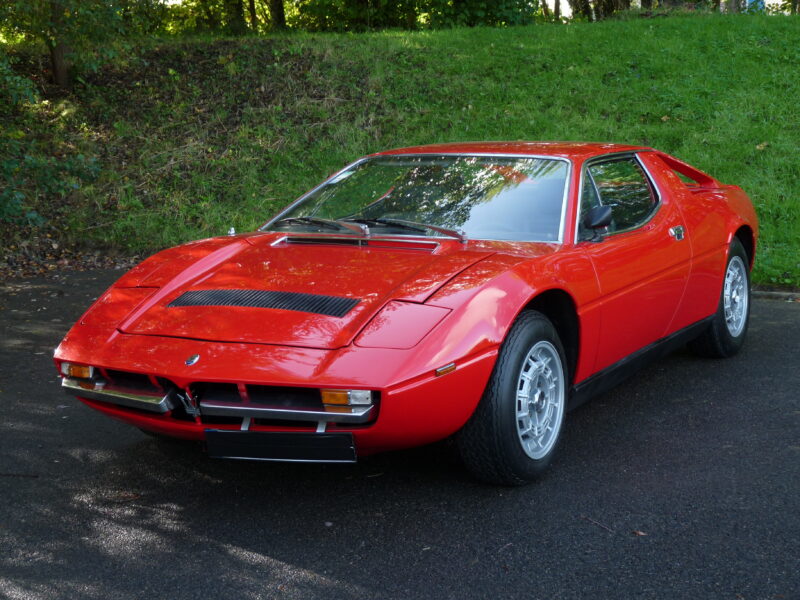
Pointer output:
198, 135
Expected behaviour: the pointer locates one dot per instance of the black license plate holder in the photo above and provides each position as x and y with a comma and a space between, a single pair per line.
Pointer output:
281, 446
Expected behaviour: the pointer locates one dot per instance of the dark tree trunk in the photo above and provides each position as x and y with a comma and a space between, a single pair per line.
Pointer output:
60, 65
557, 11
59, 51
360, 14
648, 4
411, 17
733, 6
545, 10
277, 14
795, 6
234, 13
253, 16
581, 7
603, 8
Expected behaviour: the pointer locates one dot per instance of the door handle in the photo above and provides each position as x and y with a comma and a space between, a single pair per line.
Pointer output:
677, 232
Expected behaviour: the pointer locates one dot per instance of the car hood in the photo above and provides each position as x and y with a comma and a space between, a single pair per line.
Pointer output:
307, 291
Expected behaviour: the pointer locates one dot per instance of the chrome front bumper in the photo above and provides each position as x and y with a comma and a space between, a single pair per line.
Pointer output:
155, 404
169, 401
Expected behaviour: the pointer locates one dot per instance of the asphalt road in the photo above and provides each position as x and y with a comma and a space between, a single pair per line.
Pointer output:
682, 483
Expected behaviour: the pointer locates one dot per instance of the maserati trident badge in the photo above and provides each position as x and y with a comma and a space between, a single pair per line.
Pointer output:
192, 359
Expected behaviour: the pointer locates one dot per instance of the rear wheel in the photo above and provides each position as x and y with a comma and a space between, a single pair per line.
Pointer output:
725, 335
511, 437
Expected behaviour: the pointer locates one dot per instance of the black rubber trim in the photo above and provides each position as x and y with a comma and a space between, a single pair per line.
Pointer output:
615, 374
281, 446
332, 306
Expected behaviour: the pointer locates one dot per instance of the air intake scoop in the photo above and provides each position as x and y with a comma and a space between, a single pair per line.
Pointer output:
332, 306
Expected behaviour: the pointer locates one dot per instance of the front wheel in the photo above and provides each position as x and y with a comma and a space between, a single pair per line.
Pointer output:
725, 335
511, 437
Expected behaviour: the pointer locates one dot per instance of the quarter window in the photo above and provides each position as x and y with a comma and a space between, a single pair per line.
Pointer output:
622, 185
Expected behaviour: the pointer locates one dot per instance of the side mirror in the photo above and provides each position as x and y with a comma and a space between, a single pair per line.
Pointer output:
597, 217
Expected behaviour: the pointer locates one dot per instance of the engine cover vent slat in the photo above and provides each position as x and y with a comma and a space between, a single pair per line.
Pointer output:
332, 306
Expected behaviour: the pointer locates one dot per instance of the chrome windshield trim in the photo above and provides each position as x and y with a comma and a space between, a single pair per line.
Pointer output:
278, 217
564, 200
156, 404
356, 414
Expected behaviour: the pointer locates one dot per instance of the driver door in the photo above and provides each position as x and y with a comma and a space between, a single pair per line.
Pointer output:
641, 262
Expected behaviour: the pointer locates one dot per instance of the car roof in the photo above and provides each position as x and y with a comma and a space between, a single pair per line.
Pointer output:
570, 150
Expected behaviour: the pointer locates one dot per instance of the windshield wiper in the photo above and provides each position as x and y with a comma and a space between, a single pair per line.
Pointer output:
416, 226
329, 223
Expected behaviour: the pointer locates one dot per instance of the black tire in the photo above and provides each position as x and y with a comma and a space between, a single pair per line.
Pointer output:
491, 443
724, 336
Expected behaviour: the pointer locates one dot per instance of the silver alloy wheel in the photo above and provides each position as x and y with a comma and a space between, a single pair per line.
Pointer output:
540, 400
735, 296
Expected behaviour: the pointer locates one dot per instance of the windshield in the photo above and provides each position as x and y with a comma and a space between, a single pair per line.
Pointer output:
486, 197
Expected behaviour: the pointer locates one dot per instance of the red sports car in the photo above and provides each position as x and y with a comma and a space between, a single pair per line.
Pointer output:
475, 290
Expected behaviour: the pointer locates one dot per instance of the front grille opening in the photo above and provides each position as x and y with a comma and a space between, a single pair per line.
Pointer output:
284, 396
134, 382
216, 392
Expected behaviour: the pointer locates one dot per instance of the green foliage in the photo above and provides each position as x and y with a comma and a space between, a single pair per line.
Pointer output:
198, 135
25, 178
30, 173
353, 15
360, 15
14, 88
80, 24
446, 13
14, 91
80, 34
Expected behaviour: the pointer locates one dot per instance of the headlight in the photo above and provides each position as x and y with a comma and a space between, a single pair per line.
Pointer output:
400, 325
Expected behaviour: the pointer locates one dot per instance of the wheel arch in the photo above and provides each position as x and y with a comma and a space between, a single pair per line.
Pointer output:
559, 307
745, 235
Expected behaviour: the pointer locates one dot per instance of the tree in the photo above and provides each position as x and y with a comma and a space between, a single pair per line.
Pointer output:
251, 6
582, 8
210, 15
72, 30
234, 14
277, 14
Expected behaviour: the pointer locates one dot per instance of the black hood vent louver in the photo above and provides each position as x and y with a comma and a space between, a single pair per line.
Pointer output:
332, 306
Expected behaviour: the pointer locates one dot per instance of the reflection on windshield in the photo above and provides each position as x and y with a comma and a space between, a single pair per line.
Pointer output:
486, 197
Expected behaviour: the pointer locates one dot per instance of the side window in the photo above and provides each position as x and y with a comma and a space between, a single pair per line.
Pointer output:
624, 187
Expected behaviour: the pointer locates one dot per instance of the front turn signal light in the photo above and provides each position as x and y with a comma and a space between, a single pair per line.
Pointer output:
77, 371
347, 397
